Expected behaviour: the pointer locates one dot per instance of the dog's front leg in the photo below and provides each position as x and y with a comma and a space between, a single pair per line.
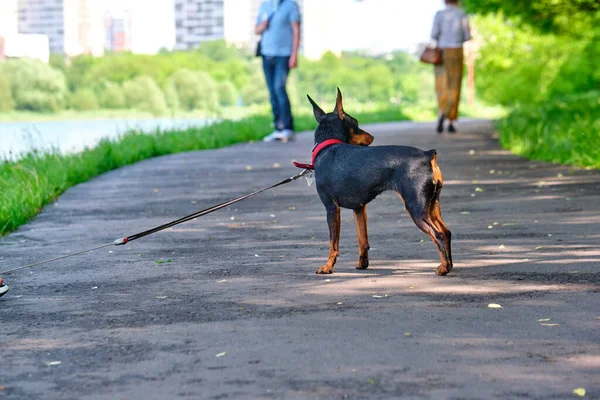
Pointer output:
333, 221
360, 217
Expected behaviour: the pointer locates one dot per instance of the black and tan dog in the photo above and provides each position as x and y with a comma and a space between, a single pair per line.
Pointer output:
348, 174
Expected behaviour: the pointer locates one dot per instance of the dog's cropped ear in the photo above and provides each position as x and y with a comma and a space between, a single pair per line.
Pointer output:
339, 108
319, 113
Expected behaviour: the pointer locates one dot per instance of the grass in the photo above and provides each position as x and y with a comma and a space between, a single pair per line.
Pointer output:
37, 179
565, 131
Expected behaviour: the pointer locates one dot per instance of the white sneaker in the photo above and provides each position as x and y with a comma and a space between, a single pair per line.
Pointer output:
283, 135
3, 288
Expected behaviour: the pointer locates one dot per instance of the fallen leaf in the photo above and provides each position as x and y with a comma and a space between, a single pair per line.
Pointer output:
407, 334
539, 247
193, 201
471, 152
464, 213
162, 261
276, 165
490, 227
232, 218
161, 297
221, 354
501, 246
95, 287
509, 224
474, 181
376, 296
543, 319
411, 287
327, 280
222, 280
339, 303
371, 382
579, 392
156, 190
272, 215
549, 324
559, 175
248, 167
492, 171
291, 208
494, 305
51, 363
496, 223
256, 255
479, 189
472, 194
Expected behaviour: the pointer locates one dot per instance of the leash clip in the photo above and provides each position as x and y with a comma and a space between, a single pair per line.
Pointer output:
310, 178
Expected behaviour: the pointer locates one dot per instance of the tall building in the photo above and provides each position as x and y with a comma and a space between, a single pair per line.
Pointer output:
73, 27
118, 30
197, 21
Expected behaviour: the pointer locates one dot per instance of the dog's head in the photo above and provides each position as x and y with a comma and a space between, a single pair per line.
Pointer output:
338, 125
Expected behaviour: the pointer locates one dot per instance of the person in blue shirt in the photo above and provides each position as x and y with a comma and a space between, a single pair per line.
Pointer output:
278, 22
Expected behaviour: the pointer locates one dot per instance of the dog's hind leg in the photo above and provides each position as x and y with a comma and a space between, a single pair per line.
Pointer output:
333, 221
422, 211
435, 215
360, 217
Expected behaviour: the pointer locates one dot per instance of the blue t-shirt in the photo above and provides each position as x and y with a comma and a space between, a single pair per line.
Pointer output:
278, 38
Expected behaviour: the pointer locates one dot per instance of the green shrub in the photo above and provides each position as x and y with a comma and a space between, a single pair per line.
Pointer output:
35, 85
144, 94
195, 90
113, 97
84, 99
228, 94
6, 100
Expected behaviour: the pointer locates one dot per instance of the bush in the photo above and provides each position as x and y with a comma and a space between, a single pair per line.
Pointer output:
195, 90
35, 85
144, 94
84, 99
6, 100
113, 97
228, 94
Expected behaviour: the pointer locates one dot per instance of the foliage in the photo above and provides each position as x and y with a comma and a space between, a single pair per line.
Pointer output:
6, 99
143, 94
540, 59
37, 179
84, 99
563, 131
195, 90
113, 97
228, 94
570, 17
35, 86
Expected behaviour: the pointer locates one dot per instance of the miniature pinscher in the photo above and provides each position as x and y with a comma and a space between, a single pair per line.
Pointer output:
349, 174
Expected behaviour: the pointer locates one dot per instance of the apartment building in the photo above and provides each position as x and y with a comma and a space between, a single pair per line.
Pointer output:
197, 21
118, 28
73, 27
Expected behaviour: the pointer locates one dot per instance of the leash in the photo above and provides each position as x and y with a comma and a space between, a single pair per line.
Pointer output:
127, 239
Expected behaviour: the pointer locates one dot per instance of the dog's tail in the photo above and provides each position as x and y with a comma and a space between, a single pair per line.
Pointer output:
437, 178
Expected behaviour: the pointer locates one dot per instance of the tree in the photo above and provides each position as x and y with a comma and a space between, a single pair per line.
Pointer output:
35, 85
6, 99
84, 99
143, 94
113, 97
228, 94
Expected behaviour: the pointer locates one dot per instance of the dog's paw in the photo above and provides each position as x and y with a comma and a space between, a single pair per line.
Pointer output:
362, 264
443, 270
325, 269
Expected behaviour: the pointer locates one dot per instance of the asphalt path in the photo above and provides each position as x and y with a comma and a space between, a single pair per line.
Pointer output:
228, 306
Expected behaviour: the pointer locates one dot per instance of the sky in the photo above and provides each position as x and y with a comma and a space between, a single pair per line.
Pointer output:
377, 25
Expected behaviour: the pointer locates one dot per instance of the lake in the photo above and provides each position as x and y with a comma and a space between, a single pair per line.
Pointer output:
17, 138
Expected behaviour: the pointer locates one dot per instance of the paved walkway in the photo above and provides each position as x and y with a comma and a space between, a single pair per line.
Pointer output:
229, 306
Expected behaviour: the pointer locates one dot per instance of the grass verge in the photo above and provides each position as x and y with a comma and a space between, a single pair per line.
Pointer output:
37, 179
563, 131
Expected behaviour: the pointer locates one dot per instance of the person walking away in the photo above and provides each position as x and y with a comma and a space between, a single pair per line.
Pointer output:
450, 30
279, 23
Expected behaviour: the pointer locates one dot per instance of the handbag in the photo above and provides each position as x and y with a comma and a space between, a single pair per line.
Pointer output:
431, 55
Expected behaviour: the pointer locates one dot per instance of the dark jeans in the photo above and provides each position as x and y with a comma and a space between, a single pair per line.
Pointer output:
276, 73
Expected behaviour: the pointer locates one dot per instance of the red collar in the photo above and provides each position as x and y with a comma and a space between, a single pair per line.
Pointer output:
316, 150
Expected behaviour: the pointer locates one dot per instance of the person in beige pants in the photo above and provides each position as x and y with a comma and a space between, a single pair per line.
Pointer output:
450, 30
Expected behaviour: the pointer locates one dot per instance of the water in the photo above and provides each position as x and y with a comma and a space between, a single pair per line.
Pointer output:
17, 138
